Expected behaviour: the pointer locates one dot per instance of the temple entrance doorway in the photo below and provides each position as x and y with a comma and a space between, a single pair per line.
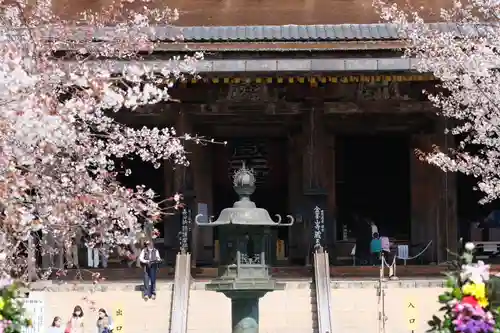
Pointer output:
373, 185
267, 158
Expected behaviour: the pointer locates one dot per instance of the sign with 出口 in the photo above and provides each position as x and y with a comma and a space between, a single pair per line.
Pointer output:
411, 314
118, 319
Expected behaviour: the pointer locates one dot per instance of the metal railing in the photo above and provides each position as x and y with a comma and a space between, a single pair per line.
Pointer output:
323, 291
180, 297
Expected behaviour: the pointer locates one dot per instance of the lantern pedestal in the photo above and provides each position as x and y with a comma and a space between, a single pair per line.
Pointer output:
244, 276
245, 313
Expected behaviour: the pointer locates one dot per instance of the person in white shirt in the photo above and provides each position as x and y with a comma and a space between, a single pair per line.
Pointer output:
373, 226
150, 260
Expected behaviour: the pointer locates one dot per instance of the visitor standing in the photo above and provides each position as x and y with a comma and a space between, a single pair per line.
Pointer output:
373, 226
56, 326
150, 259
92, 256
375, 249
72, 249
104, 322
75, 324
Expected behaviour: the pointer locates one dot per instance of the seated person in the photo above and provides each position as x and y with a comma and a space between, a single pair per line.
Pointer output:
386, 246
375, 249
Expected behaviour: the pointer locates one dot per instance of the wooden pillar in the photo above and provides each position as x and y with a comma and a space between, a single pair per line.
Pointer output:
433, 200
296, 245
183, 182
424, 202
331, 181
448, 220
31, 261
314, 136
314, 176
47, 246
170, 222
203, 187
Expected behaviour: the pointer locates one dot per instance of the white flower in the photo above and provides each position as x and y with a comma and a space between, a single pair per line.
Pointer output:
5, 281
476, 273
469, 246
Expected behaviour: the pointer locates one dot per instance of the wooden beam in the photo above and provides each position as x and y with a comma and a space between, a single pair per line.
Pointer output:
296, 108
380, 107
246, 131
372, 123
268, 113
290, 46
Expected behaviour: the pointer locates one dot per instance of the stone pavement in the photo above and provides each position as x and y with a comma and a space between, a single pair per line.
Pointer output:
355, 306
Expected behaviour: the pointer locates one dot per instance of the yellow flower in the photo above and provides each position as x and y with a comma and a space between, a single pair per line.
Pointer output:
478, 290
483, 302
2, 303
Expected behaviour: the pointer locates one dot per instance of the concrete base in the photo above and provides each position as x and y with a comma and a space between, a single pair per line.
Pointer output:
285, 311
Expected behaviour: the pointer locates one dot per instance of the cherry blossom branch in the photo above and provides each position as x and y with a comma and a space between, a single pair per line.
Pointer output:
466, 60
57, 156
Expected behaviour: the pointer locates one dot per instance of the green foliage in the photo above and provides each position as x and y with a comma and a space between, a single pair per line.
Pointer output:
445, 325
12, 312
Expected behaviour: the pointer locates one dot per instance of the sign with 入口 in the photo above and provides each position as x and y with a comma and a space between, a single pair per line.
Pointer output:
411, 314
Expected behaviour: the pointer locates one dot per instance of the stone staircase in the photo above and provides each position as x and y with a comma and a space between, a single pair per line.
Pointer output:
286, 311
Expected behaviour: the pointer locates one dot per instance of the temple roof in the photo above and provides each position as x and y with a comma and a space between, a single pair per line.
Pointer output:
316, 33
291, 33
279, 33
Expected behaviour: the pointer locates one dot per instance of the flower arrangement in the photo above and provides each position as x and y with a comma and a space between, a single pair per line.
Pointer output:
12, 314
466, 304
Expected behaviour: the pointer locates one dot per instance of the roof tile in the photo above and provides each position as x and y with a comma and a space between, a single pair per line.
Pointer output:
292, 33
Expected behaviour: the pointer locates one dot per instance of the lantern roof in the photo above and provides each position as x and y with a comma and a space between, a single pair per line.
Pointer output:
244, 211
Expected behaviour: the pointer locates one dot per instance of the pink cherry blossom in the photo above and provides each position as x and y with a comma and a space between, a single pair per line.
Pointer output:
59, 131
464, 57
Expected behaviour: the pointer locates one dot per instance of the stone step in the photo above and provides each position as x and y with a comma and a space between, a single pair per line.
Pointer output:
285, 273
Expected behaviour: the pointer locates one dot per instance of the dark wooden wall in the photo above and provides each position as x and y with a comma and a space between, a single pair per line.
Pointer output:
262, 12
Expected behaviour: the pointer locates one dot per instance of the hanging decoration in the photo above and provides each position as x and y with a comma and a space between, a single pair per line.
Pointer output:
319, 226
254, 154
312, 80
